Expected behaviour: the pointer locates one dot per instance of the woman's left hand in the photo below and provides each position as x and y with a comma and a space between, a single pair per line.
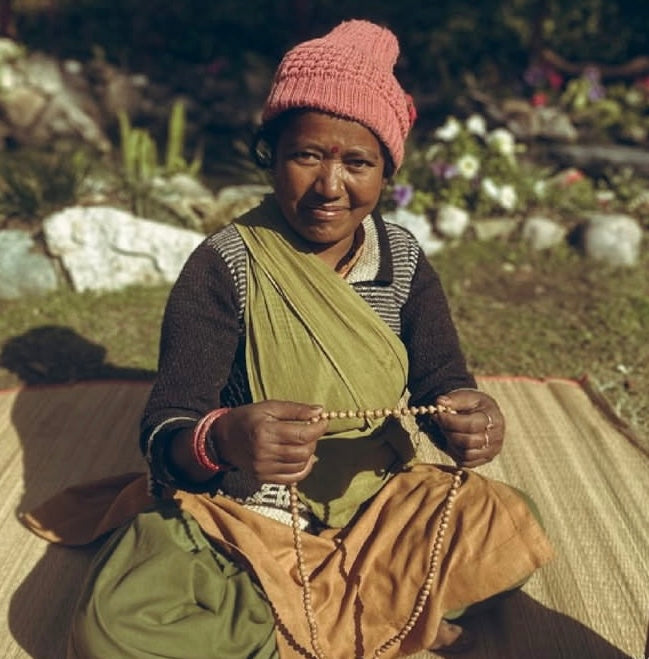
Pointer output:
474, 435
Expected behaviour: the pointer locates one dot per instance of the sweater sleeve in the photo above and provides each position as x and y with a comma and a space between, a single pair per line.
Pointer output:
198, 342
437, 364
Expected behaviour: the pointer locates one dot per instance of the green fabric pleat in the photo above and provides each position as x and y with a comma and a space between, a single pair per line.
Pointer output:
159, 589
312, 339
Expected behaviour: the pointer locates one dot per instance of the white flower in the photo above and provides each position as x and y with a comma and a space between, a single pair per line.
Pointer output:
451, 221
503, 141
540, 188
605, 196
468, 166
477, 125
449, 131
507, 197
490, 189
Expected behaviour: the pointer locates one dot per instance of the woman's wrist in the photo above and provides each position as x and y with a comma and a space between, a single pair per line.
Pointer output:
204, 442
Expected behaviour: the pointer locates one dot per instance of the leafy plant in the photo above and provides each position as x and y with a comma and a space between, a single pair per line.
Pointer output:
33, 183
616, 111
467, 166
139, 154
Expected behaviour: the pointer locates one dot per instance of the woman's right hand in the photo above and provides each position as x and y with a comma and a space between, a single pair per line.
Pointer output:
271, 440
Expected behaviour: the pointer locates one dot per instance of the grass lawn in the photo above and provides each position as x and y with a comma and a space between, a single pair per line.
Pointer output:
518, 313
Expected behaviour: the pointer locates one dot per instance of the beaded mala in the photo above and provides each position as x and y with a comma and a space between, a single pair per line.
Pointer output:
433, 564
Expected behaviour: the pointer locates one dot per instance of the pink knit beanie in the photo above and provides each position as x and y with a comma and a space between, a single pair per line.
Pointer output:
349, 73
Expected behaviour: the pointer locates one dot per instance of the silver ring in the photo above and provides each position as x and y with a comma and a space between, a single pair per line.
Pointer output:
490, 425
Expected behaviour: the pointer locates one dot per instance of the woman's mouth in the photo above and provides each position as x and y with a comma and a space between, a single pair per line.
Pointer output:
324, 213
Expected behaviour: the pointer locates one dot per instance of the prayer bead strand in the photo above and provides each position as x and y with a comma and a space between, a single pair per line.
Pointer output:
433, 564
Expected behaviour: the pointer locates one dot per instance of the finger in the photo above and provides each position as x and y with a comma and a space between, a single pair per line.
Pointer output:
468, 441
462, 400
290, 411
285, 476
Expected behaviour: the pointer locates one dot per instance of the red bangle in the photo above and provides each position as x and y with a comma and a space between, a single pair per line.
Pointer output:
199, 440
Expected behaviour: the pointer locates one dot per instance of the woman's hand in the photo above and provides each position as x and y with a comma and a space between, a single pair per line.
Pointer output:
270, 440
475, 434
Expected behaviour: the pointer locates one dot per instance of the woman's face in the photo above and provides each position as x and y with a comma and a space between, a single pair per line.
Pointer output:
328, 175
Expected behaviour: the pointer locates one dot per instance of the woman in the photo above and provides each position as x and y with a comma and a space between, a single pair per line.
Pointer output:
278, 527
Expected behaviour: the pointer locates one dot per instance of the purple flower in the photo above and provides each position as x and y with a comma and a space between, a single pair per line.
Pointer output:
402, 194
534, 76
592, 74
443, 170
596, 92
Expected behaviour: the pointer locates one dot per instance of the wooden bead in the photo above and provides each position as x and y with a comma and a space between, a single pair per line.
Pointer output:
424, 593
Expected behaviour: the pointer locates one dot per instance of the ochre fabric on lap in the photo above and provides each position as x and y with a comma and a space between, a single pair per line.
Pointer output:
366, 577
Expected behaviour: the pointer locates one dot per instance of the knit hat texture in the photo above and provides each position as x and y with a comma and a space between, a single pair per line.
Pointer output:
348, 73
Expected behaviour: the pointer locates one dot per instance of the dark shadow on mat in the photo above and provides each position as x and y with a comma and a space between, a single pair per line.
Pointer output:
522, 627
39, 616
65, 443
53, 354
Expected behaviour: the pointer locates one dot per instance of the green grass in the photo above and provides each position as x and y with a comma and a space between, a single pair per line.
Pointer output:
553, 314
518, 313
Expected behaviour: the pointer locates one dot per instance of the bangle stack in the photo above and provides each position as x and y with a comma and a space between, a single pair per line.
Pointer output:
199, 441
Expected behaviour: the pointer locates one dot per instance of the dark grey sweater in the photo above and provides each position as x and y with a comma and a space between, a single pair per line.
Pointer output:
202, 363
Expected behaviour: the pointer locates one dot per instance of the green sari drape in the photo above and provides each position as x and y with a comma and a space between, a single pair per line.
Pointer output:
311, 338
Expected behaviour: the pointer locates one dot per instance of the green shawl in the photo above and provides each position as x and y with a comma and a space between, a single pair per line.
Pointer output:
312, 339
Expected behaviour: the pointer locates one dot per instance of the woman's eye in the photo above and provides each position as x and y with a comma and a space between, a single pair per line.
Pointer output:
307, 157
358, 163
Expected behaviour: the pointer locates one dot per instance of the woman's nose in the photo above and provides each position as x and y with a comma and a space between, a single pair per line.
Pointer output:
329, 182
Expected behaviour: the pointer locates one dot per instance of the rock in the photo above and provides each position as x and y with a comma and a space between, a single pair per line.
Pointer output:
553, 124
102, 248
419, 227
42, 72
451, 221
63, 119
194, 206
24, 270
614, 239
233, 201
597, 158
22, 106
496, 227
40, 104
542, 233
10, 50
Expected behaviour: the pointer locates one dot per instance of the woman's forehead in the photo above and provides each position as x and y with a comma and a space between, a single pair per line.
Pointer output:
332, 131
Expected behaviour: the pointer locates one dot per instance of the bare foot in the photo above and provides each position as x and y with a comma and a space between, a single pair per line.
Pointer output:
452, 639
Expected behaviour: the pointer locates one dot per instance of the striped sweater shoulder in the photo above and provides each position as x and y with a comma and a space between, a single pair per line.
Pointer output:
386, 298
229, 245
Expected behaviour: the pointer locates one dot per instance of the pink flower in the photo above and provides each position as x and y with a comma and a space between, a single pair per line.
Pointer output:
571, 176
643, 83
540, 99
555, 80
